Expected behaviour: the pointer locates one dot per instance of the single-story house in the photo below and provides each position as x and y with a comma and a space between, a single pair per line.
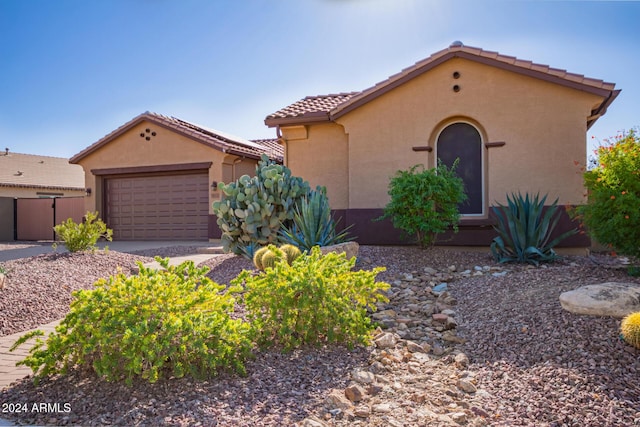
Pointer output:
26, 180
515, 126
156, 177
31, 176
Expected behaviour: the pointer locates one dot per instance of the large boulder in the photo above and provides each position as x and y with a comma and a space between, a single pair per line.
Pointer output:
350, 248
606, 299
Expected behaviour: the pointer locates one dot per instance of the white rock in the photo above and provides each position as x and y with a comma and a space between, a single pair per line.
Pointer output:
606, 299
385, 340
363, 377
349, 248
383, 408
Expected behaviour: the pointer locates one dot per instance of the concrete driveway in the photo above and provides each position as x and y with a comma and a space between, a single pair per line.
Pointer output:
17, 250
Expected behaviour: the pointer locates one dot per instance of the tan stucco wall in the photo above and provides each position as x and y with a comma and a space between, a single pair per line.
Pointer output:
36, 193
321, 156
543, 125
166, 148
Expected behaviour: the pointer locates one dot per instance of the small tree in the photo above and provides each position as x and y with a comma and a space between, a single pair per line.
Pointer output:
424, 202
612, 213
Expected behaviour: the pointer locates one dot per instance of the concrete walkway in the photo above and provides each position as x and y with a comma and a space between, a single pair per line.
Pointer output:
40, 248
9, 372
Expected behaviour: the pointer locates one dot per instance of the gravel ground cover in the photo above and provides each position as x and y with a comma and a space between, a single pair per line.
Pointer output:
528, 362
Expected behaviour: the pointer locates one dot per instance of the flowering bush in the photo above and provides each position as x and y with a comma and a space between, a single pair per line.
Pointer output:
612, 213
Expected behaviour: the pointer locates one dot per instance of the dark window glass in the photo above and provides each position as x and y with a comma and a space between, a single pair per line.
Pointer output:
461, 140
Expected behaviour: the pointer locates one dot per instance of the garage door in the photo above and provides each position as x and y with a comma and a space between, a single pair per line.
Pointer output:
167, 207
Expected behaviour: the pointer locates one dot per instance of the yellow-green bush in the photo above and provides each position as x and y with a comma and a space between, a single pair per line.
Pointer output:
314, 300
83, 236
630, 329
171, 322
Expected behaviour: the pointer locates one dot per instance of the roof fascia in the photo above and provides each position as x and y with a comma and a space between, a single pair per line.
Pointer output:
308, 118
373, 92
134, 122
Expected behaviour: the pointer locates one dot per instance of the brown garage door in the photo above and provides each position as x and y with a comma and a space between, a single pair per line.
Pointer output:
167, 207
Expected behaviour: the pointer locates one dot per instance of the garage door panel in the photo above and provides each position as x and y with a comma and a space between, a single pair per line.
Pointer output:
171, 207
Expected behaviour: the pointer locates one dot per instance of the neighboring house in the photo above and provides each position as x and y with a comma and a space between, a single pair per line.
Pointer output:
515, 125
155, 177
31, 176
26, 181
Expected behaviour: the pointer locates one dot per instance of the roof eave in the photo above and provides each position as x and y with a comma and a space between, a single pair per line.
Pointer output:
208, 140
41, 187
309, 118
383, 87
602, 109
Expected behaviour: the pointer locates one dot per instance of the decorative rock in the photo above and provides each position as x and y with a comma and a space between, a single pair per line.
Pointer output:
440, 288
363, 377
312, 422
607, 299
385, 340
466, 386
414, 347
362, 411
440, 318
383, 408
337, 400
349, 248
2, 279
374, 389
458, 417
461, 360
437, 349
355, 393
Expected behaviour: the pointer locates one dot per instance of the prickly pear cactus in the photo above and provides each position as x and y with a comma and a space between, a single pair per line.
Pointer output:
252, 209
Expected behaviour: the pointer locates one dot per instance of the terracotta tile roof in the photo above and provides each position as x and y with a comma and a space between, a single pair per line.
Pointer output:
272, 144
317, 109
312, 107
216, 139
43, 172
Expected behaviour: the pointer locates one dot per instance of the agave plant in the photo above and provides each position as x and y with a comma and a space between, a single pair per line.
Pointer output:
524, 230
313, 224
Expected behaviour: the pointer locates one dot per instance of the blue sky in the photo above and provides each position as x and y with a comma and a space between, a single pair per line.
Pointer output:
72, 71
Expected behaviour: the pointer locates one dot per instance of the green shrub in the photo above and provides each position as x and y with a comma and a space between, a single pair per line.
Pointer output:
313, 224
251, 210
174, 322
83, 236
612, 213
424, 202
316, 299
524, 230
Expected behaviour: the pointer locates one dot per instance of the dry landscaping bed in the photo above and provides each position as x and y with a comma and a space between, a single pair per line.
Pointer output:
495, 348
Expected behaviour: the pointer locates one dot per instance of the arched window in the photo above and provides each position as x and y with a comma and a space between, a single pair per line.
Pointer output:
463, 141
